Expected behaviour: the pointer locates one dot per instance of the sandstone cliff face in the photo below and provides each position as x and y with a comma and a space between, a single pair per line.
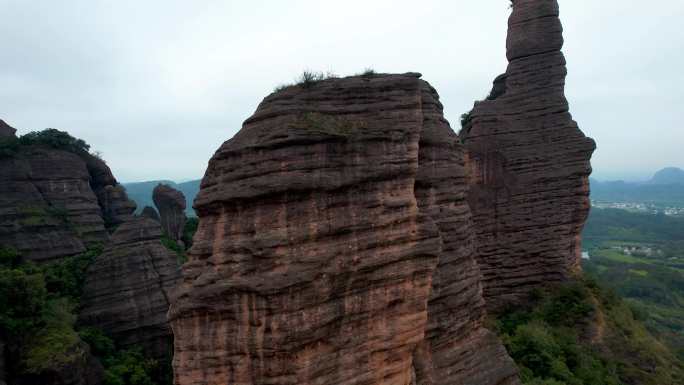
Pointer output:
55, 203
150, 212
171, 205
324, 224
127, 288
529, 163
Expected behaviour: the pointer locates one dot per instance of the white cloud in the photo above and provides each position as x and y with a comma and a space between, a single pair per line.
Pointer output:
157, 86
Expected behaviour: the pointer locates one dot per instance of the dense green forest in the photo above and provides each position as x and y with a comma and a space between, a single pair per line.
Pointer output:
582, 334
641, 257
38, 307
621, 322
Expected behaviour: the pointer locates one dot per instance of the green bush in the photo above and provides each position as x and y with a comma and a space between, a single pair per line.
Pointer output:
22, 298
368, 72
9, 258
129, 367
548, 341
100, 344
8, 147
38, 314
56, 139
55, 343
175, 247
65, 278
545, 344
309, 78
48, 137
189, 231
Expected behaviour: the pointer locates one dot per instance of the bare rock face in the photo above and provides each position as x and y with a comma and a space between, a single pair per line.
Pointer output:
457, 348
114, 203
6, 131
529, 163
150, 212
127, 288
334, 247
171, 205
49, 206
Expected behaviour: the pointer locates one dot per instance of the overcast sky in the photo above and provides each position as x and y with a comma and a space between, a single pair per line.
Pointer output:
157, 86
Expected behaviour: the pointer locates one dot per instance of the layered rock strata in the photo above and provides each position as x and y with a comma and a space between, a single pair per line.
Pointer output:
529, 163
334, 247
171, 205
127, 288
55, 203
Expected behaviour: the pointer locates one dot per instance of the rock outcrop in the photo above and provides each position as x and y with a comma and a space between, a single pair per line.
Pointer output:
6, 131
127, 287
171, 205
335, 247
529, 163
55, 202
150, 212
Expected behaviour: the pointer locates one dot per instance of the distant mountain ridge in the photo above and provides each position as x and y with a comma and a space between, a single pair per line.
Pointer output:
141, 192
668, 175
665, 187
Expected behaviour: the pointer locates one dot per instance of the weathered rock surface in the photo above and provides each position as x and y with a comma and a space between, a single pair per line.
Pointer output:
324, 224
6, 131
55, 203
171, 205
150, 212
457, 348
529, 163
127, 288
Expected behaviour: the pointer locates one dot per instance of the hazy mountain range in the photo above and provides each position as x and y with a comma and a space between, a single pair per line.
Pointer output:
665, 187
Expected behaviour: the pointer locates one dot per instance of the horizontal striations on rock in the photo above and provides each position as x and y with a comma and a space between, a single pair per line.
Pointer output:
529, 163
457, 348
314, 258
47, 209
51, 202
127, 288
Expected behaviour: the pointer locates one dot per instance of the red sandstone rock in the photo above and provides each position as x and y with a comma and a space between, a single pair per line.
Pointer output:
529, 164
150, 212
171, 205
322, 224
127, 288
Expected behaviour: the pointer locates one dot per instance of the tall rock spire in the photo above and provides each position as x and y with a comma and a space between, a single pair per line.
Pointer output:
529, 163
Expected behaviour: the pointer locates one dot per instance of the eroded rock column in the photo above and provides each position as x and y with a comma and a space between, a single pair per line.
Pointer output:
529, 164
